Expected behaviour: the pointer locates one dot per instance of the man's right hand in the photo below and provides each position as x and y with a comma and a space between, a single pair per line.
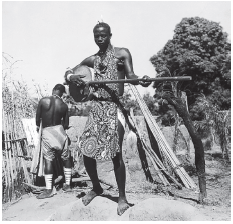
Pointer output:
77, 79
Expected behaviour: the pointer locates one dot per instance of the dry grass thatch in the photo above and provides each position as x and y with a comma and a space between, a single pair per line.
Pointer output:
16, 104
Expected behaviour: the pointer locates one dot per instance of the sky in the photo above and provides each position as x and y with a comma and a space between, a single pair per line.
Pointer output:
47, 37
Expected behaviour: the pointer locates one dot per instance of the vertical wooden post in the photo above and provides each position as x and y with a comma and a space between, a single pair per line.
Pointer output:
7, 144
8, 122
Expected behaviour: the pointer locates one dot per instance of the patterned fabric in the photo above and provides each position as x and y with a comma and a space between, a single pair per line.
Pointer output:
54, 140
100, 137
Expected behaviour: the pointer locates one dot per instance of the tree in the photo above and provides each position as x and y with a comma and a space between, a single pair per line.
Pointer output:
199, 48
172, 95
215, 122
151, 103
129, 103
165, 112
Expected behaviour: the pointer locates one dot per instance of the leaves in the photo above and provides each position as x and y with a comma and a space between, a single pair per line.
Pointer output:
199, 48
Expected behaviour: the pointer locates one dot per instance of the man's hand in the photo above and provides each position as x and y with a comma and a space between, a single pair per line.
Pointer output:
146, 82
77, 79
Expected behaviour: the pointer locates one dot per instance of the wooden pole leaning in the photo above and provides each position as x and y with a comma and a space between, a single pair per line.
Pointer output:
158, 171
163, 145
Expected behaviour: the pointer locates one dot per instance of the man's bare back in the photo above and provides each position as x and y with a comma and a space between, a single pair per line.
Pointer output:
53, 111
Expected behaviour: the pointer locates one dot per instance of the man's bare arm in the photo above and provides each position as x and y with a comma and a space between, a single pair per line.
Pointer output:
128, 63
38, 113
129, 73
75, 79
88, 61
66, 119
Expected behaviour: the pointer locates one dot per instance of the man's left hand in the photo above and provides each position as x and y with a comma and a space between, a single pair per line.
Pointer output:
146, 82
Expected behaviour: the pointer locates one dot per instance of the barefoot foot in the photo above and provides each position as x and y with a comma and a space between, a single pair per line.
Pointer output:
66, 188
90, 196
47, 193
122, 207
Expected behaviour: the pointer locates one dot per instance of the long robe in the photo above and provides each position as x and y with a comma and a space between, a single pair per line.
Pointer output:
100, 138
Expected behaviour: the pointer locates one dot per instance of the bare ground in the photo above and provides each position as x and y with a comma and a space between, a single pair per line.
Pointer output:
148, 201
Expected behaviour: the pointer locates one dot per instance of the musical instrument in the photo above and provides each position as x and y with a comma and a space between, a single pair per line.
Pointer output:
77, 92
86, 74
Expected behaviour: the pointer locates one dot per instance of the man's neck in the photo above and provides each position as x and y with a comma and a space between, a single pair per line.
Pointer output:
56, 95
104, 49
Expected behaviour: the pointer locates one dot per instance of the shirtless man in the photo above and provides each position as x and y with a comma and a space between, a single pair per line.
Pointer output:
103, 135
53, 113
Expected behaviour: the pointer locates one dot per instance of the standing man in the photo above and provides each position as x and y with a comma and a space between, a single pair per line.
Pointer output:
103, 135
53, 113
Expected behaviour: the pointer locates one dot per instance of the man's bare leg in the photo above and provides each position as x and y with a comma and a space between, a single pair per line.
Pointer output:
67, 165
90, 165
119, 169
47, 193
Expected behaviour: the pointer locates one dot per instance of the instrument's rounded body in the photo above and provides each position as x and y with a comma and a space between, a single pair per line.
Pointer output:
77, 92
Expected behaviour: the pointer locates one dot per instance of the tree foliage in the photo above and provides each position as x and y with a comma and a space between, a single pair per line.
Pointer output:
151, 103
129, 102
200, 49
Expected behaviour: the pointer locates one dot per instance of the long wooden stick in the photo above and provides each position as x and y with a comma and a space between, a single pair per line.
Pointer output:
26, 175
7, 159
160, 164
155, 160
16, 161
164, 147
173, 79
4, 159
164, 180
5, 178
20, 151
9, 121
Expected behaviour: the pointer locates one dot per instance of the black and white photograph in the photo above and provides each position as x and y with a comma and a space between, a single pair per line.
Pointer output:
116, 111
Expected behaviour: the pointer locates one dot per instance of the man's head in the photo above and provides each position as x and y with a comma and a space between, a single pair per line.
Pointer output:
103, 25
102, 34
59, 89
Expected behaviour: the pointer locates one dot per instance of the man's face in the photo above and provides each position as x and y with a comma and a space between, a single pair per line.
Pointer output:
102, 36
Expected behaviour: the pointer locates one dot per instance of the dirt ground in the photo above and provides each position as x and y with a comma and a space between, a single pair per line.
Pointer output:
148, 201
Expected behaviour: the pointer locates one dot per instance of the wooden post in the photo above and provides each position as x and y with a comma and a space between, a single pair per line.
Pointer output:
7, 160
8, 121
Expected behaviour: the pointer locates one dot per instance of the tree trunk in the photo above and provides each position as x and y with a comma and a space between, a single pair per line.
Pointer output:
181, 109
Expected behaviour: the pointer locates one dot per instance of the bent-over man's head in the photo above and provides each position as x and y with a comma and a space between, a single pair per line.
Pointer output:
59, 89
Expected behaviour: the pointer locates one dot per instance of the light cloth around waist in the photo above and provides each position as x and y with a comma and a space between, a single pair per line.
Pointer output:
54, 140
